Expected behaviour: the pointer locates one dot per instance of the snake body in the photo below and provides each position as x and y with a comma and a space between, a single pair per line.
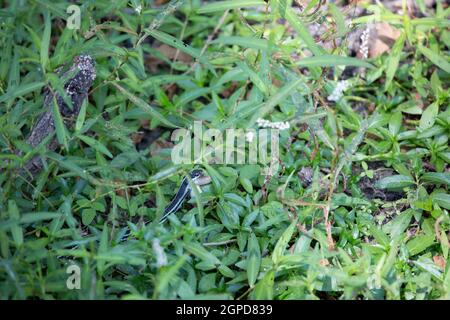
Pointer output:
185, 189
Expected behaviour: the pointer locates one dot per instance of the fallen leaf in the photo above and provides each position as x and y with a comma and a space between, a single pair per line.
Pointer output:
439, 261
383, 38
171, 53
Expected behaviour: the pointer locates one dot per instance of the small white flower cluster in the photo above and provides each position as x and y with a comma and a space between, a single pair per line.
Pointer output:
263, 123
138, 9
338, 91
161, 259
364, 48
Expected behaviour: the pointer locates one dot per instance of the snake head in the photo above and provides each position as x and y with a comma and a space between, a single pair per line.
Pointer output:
199, 177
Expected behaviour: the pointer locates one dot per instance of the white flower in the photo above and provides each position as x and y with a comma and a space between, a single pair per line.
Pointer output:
138, 9
263, 123
161, 259
338, 91
364, 48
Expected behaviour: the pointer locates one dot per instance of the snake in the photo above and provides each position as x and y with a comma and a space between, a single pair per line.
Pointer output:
198, 178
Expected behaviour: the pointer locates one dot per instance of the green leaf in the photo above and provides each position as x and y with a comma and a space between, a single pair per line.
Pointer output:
81, 116
437, 177
16, 230
102, 249
399, 224
246, 42
97, 145
201, 253
253, 259
429, 116
280, 247
379, 235
87, 216
254, 77
247, 184
300, 28
264, 288
394, 182
230, 4
22, 90
442, 199
168, 274
339, 19
59, 124
144, 106
33, 217
180, 45
420, 243
330, 60
45, 43
435, 58
393, 60
395, 123
71, 166
277, 98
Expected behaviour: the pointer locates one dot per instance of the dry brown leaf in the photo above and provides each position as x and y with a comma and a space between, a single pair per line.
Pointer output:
160, 2
171, 53
439, 261
384, 37
159, 145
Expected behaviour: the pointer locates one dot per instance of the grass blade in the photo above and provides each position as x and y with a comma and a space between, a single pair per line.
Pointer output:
230, 4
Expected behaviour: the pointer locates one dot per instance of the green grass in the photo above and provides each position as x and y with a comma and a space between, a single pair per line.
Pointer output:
245, 236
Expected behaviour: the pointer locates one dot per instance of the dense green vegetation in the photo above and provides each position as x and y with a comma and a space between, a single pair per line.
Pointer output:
357, 210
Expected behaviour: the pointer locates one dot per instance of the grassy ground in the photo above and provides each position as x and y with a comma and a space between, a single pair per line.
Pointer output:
357, 210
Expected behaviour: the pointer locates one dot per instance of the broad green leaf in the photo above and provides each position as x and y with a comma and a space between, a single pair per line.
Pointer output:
393, 60
429, 116
420, 243
379, 235
253, 259
435, 58
264, 288
395, 123
87, 216
394, 182
201, 253
442, 199
399, 224
437, 177
247, 184
168, 274
430, 267
280, 247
